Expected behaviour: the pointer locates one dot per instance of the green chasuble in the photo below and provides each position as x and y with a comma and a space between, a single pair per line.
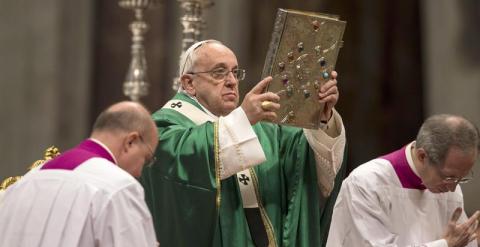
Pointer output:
192, 207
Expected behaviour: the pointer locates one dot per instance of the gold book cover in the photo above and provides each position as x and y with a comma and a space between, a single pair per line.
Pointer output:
302, 54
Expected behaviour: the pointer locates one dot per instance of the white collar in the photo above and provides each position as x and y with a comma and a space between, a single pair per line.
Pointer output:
205, 109
408, 154
105, 147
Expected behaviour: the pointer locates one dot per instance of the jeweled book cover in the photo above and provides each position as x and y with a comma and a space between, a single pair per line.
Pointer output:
303, 52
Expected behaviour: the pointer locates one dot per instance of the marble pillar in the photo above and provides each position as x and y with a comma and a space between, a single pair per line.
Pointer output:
44, 78
451, 53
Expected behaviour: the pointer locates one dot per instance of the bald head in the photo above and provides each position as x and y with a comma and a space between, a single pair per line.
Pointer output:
124, 116
129, 132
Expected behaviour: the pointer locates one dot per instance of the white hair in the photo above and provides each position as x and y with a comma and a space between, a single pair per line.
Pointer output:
188, 59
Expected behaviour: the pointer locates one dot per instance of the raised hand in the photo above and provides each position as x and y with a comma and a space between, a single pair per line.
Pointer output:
459, 235
328, 94
252, 103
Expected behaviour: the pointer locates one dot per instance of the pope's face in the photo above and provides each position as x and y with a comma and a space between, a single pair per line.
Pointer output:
219, 96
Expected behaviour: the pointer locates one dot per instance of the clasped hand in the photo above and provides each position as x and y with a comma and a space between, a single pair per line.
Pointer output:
460, 234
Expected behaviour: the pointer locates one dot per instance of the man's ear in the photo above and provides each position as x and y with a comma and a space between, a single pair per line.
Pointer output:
421, 155
129, 139
187, 84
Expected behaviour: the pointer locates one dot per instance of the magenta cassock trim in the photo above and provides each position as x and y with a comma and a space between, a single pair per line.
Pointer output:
74, 157
405, 174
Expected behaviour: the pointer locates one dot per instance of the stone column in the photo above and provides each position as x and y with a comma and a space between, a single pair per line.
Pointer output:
451, 64
45, 78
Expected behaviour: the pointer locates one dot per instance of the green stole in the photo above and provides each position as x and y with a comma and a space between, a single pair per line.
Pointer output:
182, 188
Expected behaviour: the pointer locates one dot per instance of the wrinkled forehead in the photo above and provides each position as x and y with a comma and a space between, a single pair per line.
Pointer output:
211, 55
459, 162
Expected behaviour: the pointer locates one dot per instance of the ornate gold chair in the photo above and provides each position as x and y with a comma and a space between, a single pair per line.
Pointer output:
50, 153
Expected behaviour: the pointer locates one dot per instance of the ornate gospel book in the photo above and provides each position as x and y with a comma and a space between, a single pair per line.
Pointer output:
302, 53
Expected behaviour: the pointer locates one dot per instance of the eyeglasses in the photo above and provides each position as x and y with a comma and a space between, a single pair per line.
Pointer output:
455, 180
153, 158
450, 179
221, 73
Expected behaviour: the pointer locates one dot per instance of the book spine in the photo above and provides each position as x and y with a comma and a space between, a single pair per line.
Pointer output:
278, 27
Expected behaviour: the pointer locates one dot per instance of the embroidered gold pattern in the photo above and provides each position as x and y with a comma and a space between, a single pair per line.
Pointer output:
216, 148
266, 221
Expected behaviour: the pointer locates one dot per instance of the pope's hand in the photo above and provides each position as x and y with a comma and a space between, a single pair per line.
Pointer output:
328, 94
260, 106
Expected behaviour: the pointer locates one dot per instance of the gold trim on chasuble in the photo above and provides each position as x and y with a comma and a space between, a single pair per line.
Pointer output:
216, 150
266, 221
